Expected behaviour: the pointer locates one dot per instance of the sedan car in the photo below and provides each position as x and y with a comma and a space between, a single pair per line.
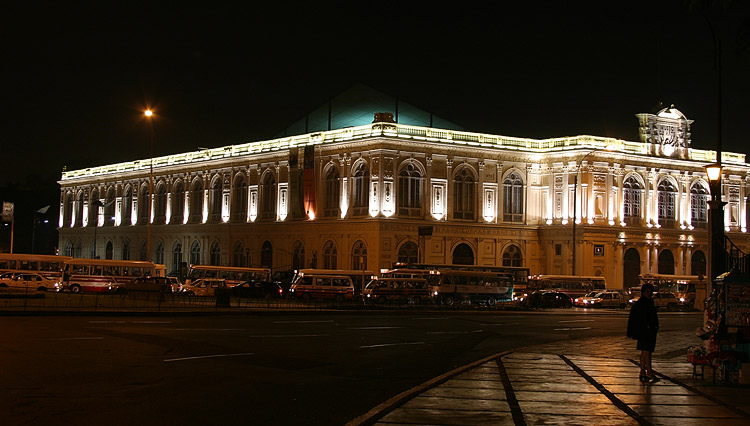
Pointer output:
259, 289
605, 299
29, 281
549, 299
204, 287
665, 300
583, 301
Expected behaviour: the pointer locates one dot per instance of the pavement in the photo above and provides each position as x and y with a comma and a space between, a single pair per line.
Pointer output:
581, 382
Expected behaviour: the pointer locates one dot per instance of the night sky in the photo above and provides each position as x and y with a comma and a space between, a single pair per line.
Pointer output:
77, 79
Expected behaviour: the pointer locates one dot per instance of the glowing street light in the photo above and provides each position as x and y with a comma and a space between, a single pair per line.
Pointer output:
149, 114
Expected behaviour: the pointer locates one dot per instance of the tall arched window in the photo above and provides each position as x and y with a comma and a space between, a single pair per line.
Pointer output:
408, 253
143, 207
631, 193
239, 199
176, 256
698, 263
332, 193
631, 268
178, 203
127, 206
512, 256
68, 250
68, 209
196, 202
94, 203
410, 191
78, 211
109, 207
266, 255
359, 256
143, 254
463, 255
214, 200
238, 255
666, 262
513, 198
330, 256
268, 197
298, 255
195, 253
215, 254
360, 189
160, 204
159, 253
699, 206
126, 250
109, 251
464, 190
666, 202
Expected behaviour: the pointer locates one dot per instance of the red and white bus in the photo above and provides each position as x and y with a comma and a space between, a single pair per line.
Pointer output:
49, 266
103, 276
232, 275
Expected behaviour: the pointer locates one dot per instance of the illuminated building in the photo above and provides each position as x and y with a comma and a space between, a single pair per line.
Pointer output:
356, 197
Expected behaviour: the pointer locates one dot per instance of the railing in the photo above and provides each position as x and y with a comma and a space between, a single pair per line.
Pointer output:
735, 258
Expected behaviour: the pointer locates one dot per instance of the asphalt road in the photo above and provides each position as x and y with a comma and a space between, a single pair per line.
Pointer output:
309, 368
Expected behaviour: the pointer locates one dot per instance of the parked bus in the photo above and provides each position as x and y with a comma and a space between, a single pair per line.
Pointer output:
103, 276
320, 284
359, 277
232, 275
397, 290
682, 286
520, 273
572, 285
49, 266
450, 286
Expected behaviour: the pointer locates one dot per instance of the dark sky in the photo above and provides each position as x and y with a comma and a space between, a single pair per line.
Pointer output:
76, 79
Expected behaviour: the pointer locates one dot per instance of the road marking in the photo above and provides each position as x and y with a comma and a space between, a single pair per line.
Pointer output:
577, 321
108, 322
572, 329
454, 332
208, 356
79, 338
373, 328
390, 344
206, 329
301, 322
499, 323
431, 318
152, 322
290, 335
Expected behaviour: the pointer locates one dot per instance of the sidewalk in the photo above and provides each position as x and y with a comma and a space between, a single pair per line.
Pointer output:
583, 382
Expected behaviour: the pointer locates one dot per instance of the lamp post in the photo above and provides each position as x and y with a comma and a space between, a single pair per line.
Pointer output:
716, 248
149, 114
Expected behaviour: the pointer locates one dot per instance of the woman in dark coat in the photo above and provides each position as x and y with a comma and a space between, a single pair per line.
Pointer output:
643, 324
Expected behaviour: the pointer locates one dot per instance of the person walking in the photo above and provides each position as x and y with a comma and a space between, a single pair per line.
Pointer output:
643, 324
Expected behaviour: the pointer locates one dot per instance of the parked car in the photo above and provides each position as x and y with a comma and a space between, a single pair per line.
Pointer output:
264, 289
549, 299
29, 281
175, 283
605, 299
583, 301
665, 300
157, 285
204, 287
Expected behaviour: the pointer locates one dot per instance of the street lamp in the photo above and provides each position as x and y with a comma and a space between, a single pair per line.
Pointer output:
716, 249
149, 114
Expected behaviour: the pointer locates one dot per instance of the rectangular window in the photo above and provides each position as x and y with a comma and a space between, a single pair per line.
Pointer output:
558, 249
598, 249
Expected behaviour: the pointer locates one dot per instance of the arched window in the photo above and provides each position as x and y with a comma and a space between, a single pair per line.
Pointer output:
239, 201
298, 255
126, 250
266, 255
631, 193
666, 262
127, 206
68, 248
698, 263
464, 190
513, 198
143, 207
215, 254
410, 191
78, 211
631, 268
160, 204
463, 255
666, 202
109, 208
359, 256
512, 256
330, 256
268, 197
360, 189
238, 255
78, 249
332, 193
408, 253
159, 253
94, 204
143, 254
178, 203
176, 257
67, 209
109, 251
699, 206
196, 202
214, 201
195, 253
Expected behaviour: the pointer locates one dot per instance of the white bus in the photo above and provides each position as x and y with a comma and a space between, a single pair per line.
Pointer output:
49, 266
682, 286
450, 286
359, 277
232, 275
572, 285
103, 276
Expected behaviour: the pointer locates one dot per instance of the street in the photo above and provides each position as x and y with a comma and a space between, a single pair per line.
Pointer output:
310, 368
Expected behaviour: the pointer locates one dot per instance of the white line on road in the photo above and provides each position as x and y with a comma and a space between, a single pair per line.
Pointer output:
301, 322
454, 332
431, 318
390, 344
207, 356
573, 329
79, 338
577, 321
108, 322
290, 335
206, 329
498, 323
152, 322
372, 328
